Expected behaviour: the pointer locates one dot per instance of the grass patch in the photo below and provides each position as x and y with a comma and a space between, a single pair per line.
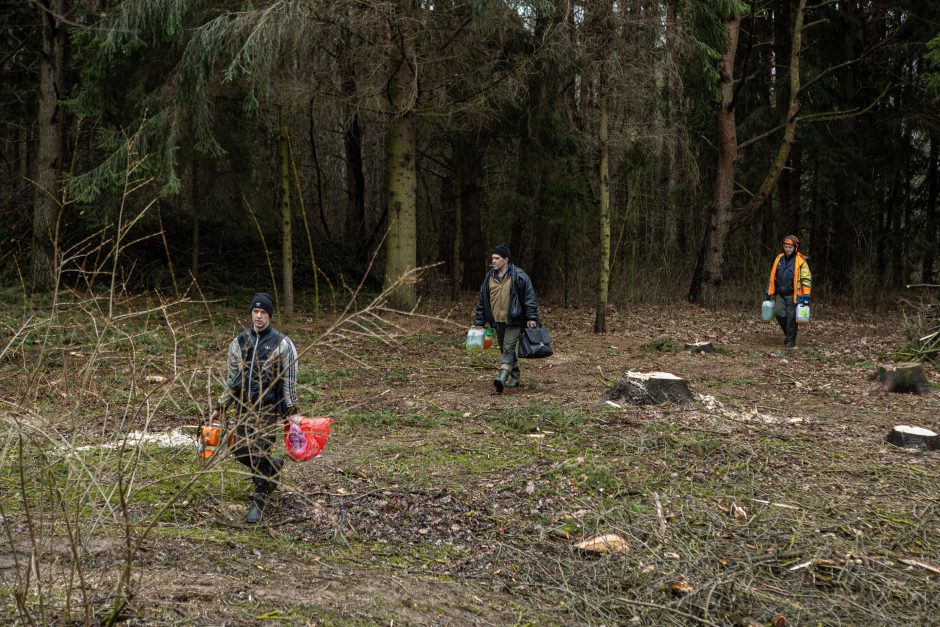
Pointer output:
389, 419
661, 345
311, 376
538, 418
589, 472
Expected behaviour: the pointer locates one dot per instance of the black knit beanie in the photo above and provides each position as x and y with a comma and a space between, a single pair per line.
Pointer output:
264, 301
502, 250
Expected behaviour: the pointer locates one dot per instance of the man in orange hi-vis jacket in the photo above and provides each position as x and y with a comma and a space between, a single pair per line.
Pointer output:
790, 284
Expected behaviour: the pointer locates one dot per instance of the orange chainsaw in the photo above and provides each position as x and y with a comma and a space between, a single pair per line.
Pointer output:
212, 437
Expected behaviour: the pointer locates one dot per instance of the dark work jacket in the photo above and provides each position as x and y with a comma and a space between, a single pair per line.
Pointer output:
523, 305
784, 276
256, 348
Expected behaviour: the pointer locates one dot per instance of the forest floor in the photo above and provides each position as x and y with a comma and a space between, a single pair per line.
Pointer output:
772, 500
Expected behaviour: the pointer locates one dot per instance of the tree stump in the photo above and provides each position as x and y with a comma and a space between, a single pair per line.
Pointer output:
700, 347
913, 437
903, 378
650, 388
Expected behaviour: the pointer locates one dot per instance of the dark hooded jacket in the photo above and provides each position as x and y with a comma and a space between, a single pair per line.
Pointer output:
523, 305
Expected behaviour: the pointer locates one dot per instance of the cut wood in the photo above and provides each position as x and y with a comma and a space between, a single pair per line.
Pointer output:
903, 378
913, 437
700, 347
650, 388
607, 543
923, 565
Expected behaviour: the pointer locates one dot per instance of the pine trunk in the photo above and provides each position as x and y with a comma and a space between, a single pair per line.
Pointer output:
455, 242
933, 181
287, 254
400, 244
191, 206
468, 164
50, 155
707, 278
401, 241
603, 267
789, 131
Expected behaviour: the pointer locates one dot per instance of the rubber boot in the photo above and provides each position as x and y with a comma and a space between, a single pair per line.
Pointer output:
513, 381
500, 382
256, 511
263, 488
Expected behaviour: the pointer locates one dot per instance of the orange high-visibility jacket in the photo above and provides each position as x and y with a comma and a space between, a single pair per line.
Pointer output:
802, 278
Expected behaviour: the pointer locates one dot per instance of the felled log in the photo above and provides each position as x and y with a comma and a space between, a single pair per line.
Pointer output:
700, 347
913, 437
650, 388
903, 378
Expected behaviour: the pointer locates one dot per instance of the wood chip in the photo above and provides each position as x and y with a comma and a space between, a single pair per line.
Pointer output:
923, 565
606, 543
681, 587
783, 505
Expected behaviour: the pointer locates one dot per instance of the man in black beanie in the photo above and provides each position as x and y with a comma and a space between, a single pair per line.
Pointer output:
507, 303
262, 385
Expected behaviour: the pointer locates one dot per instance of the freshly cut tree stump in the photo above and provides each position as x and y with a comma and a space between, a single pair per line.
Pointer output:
700, 347
650, 388
907, 377
913, 437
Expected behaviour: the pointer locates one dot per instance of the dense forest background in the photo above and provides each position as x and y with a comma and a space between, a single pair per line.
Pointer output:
627, 151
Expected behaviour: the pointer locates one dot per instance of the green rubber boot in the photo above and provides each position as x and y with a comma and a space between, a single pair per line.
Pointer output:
500, 382
513, 381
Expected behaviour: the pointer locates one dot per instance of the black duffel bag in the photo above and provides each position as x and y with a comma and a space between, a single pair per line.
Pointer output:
535, 343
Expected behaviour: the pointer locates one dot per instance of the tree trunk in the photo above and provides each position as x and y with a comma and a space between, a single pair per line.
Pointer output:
707, 276
355, 181
455, 245
794, 172
50, 155
287, 254
782, 48
191, 201
352, 144
675, 214
468, 165
789, 131
401, 242
321, 209
840, 258
528, 176
603, 262
930, 230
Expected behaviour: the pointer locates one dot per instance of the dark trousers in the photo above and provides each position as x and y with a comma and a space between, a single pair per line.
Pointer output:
785, 310
254, 437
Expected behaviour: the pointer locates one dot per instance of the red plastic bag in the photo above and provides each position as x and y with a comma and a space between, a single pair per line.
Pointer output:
306, 440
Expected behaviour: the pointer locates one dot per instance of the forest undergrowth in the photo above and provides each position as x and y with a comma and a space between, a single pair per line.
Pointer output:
772, 500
